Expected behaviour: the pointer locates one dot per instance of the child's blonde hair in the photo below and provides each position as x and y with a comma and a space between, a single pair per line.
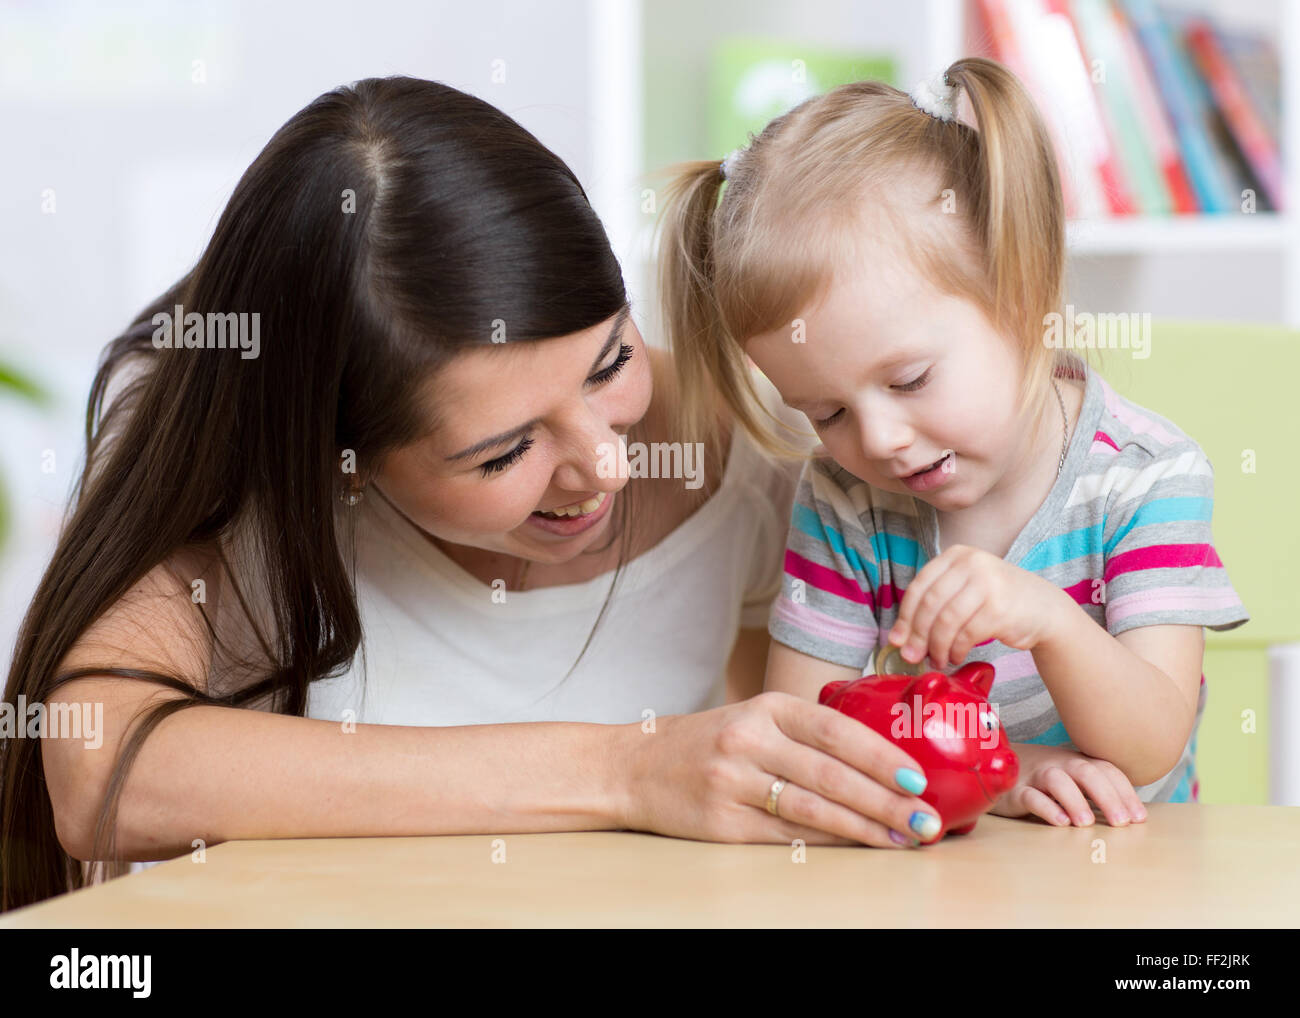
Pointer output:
796, 204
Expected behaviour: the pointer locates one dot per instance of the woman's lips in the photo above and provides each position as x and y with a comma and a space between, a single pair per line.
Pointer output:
567, 526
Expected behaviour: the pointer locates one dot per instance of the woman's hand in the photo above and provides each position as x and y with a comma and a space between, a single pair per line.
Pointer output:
706, 776
1053, 784
968, 596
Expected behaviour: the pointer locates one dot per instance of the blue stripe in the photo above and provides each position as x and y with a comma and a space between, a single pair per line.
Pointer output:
892, 548
1183, 793
1063, 548
1164, 510
807, 522
1054, 736
901, 551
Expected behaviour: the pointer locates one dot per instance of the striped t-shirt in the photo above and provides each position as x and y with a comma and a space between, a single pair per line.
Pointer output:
1125, 531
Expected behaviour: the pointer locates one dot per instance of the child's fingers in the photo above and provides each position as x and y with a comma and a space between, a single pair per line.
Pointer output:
1130, 801
926, 610
953, 620
921, 582
1042, 805
1060, 786
1100, 786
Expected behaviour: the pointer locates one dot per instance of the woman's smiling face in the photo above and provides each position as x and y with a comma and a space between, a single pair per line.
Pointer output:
525, 427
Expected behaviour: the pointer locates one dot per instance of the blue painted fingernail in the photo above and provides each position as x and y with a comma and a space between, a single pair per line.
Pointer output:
925, 824
910, 780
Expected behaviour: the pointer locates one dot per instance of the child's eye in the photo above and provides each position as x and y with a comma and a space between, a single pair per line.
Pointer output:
501, 462
605, 374
916, 383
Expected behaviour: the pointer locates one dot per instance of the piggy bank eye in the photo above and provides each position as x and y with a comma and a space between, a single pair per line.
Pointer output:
988, 721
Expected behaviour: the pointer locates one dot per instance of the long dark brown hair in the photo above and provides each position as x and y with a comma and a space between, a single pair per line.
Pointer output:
383, 228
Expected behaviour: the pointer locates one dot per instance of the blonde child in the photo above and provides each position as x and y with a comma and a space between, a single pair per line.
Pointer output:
890, 266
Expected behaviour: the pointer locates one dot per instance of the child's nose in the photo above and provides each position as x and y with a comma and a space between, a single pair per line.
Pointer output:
883, 436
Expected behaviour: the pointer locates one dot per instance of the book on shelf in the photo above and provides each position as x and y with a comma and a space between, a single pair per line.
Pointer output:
1240, 116
1151, 110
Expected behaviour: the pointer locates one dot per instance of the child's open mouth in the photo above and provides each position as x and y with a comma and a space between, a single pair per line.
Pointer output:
933, 475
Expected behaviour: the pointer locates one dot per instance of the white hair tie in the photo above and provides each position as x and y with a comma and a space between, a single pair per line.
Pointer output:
936, 97
729, 163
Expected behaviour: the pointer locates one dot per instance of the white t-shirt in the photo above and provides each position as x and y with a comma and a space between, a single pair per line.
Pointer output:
438, 650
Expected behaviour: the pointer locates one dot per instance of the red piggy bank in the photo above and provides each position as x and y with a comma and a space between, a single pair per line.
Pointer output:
947, 725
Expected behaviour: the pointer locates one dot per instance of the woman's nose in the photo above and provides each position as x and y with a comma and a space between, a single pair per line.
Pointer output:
595, 457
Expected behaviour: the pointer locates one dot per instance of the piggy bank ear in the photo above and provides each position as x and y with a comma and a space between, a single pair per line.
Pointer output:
924, 685
978, 673
830, 689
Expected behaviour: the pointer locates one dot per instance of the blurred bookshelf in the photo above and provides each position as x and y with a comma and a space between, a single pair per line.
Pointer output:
1231, 264
1110, 247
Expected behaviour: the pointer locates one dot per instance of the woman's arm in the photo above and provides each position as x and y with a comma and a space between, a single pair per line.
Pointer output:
221, 773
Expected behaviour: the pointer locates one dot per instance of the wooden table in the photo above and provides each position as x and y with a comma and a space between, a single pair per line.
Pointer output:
1186, 866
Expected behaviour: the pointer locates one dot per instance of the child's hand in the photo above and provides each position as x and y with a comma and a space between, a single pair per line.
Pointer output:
966, 596
1054, 780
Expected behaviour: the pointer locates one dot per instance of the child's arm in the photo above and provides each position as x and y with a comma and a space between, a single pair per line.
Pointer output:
1130, 699
789, 671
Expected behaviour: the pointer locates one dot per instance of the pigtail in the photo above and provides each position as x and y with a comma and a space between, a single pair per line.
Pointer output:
1019, 213
708, 363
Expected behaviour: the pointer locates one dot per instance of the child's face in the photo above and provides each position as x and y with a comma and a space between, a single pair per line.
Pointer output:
894, 374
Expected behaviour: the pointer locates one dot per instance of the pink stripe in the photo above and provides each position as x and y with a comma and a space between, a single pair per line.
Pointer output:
1082, 592
815, 623
1162, 556
824, 579
1018, 664
1137, 422
1163, 599
1101, 438
888, 596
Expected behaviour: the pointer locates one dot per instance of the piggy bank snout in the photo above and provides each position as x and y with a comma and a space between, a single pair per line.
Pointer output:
1000, 771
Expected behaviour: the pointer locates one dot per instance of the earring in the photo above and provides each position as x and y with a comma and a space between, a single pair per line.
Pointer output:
353, 494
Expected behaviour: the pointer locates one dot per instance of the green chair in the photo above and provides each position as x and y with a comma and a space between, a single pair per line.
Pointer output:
1232, 389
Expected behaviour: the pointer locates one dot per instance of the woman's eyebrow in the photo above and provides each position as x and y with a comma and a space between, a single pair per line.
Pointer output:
496, 441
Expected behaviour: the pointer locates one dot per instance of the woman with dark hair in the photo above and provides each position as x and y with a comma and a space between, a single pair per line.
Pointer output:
433, 441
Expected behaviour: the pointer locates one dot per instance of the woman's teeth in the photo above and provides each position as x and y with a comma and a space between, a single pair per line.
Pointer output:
582, 509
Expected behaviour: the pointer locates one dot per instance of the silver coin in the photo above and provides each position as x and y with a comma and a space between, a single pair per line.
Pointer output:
889, 661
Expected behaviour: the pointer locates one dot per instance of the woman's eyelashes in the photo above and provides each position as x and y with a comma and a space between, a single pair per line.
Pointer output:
601, 377
513, 456
605, 374
916, 383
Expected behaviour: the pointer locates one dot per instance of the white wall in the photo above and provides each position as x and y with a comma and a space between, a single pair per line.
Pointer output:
98, 104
